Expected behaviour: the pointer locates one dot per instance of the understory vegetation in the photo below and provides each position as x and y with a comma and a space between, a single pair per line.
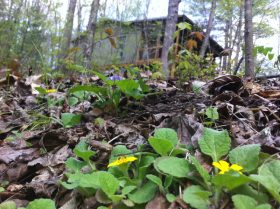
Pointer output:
105, 106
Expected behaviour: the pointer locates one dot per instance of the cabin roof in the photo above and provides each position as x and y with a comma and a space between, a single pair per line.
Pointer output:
184, 18
181, 18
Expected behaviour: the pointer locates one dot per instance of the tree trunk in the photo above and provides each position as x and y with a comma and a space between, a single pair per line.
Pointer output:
79, 16
249, 58
67, 33
170, 28
238, 36
230, 44
209, 28
91, 26
225, 58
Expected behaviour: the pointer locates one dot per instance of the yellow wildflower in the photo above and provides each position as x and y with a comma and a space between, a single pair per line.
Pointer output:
51, 90
122, 160
225, 167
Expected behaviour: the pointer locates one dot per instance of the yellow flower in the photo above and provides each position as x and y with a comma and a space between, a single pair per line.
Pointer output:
122, 160
51, 90
225, 167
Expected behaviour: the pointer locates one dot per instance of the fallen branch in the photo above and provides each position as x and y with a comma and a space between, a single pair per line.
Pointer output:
262, 77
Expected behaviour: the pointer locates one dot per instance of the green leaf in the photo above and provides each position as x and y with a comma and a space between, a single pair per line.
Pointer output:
117, 151
8, 205
270, 56
92, 89
161, 146
168, 181
104, 78
130, 88
203, 173
264, 206
230, 180
173, 166
144, 87
196, 197
108, 183
167, 133
212, 113
246, 202
214, 143
156, 180
70, 119
41, 203
184, 25
126, 190
144, 164
82, 180
73, 101
170, 197
41, 90
82, 151
74, 165
2, 189
102, 207
144, 194
247, 156
248, 190
269, 177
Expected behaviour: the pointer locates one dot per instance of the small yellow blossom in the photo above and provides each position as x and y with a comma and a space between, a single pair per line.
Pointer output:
225, 167
122, 160
51, 90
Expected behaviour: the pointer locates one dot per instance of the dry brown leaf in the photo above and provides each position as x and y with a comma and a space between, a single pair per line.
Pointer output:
191, 44
159, 202
197, 34
109, 31
225, 83
271, 94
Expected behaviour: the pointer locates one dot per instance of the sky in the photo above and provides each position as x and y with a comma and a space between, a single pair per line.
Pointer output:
159, 8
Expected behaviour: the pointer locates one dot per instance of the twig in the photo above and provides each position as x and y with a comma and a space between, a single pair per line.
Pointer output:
116, 137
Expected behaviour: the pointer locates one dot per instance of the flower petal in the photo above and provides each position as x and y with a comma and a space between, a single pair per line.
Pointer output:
217, 165
222, 165
122, 160
51, 90
236, 167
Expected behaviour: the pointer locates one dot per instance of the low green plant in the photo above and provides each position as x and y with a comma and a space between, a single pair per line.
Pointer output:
133, 179
192, 66
35, 204
70, 119
110, 93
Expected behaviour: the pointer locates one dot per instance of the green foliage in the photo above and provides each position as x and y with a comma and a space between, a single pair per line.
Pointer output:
164, 141
191, 66
265, 51
247, 156
136, 182
245, 202
173, 166
197, 197
269, 176
230, 180
144, 194
212, 113
82, 151
70, 119
202, 172
41, 203
8, 205
110, 93
215, 143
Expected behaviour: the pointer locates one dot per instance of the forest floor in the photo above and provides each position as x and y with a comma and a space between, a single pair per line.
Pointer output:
35, 142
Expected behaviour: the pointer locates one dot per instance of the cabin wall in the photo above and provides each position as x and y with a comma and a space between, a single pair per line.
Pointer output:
128, 39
